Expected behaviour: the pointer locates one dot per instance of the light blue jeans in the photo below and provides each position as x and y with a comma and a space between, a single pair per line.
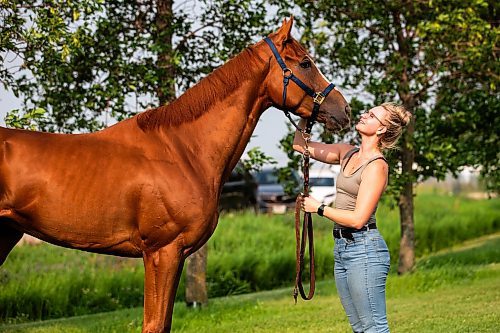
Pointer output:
361, 268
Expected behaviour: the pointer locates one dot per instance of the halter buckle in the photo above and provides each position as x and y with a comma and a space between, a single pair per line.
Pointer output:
287, 70
319, 98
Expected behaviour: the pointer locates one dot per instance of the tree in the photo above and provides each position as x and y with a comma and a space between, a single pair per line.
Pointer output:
85, 62
440, 60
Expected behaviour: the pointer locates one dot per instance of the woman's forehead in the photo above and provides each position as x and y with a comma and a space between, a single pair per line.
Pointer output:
378, 111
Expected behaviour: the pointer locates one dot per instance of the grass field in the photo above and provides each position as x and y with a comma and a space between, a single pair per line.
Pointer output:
249, 253
455, 290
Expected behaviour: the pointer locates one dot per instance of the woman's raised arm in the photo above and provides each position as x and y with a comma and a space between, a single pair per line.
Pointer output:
327, 153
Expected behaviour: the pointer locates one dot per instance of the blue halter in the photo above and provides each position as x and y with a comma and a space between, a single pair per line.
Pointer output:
318, 97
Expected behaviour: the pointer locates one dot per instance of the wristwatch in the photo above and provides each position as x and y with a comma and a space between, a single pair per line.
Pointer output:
321, 209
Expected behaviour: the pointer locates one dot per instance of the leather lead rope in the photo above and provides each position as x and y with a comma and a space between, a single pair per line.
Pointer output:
307, 229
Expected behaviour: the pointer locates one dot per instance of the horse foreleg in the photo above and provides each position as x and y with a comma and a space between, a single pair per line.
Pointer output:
163, 269
8, 239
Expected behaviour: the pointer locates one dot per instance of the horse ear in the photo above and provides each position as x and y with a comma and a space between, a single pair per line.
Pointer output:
284, 33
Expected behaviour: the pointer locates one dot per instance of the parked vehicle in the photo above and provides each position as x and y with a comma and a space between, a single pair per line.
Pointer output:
322, 184
271, 196
240, 191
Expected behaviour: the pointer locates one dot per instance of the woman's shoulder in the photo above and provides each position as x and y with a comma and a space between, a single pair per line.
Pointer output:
377, 164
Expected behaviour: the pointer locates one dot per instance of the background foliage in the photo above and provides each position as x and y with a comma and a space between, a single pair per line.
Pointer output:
86, 62
247, 254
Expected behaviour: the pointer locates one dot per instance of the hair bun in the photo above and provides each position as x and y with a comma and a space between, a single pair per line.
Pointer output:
406, 117
397, 117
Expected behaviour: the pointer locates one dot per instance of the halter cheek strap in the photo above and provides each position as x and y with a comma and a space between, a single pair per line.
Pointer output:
318, 97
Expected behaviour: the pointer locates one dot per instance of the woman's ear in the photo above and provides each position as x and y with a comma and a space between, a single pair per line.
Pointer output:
381, 130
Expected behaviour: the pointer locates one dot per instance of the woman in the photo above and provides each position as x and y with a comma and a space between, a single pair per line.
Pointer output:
361, 254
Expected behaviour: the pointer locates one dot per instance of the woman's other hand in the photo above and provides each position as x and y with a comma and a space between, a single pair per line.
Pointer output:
309, 204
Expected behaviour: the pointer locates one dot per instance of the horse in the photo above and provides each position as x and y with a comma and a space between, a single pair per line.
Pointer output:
148, 187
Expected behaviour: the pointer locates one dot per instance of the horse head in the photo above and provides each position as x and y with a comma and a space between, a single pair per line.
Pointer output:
292, 62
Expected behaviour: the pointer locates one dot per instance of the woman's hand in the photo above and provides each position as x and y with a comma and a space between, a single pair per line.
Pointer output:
310, 205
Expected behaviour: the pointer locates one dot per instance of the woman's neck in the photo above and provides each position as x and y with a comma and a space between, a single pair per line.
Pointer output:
369, 147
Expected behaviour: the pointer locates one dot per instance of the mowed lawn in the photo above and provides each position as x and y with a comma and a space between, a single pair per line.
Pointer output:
453, 291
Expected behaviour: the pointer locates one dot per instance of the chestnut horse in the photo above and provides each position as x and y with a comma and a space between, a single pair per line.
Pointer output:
149, 186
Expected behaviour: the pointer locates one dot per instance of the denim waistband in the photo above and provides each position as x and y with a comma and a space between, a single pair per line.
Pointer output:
349, 233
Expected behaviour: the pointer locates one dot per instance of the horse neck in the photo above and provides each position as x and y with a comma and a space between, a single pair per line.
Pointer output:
217, 136
228, 130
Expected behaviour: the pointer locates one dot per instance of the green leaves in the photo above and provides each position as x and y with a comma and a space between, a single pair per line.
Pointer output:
87, 62
438, 58
28, 120
256, 160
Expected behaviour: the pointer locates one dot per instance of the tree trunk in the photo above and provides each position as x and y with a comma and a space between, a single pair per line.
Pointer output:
165, 63
407, 243
196, 267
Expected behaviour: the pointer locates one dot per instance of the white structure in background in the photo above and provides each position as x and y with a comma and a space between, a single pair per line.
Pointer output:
322, 182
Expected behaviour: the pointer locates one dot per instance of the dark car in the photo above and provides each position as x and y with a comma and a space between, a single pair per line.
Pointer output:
271, 195
240, 191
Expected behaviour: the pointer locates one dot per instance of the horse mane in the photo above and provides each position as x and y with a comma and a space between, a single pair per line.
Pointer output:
198, 99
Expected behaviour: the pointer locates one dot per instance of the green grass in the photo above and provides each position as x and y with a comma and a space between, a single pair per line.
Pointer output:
441, 221
49, 282
247, 253
460, 296
469, 308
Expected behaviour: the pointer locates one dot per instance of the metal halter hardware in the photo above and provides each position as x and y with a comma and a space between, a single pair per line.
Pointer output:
307, 230
318, 97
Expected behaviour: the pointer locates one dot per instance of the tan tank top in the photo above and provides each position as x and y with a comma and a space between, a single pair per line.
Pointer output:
348, 186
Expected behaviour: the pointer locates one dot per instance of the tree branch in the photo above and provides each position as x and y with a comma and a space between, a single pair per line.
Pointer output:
354, 16
190, 35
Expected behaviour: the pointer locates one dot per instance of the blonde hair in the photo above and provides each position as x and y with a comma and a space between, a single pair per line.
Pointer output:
396, 119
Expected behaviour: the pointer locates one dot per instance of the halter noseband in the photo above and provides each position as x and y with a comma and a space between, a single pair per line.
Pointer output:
318, 97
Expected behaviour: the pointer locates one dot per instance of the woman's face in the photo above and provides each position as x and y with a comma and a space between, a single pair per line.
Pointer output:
372, 121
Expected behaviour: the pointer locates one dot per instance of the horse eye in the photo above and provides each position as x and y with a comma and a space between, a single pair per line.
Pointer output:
305, 64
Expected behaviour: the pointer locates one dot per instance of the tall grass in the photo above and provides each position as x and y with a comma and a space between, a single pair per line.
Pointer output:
440, 222
40, 282
246, 253
259, 253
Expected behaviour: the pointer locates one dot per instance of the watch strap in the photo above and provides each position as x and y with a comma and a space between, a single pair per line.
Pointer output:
321, 209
